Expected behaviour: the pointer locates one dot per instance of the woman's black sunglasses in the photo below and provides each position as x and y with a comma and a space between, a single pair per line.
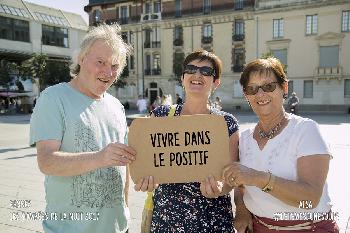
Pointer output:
253, 89
204, 70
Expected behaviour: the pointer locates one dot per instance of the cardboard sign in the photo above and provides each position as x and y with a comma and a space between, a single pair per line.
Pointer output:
179, 149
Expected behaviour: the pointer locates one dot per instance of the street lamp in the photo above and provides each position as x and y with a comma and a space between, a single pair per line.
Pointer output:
142, 64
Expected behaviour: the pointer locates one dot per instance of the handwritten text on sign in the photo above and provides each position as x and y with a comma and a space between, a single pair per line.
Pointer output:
179, 149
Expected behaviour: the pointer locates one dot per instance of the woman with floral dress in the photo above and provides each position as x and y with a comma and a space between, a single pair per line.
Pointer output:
194, 206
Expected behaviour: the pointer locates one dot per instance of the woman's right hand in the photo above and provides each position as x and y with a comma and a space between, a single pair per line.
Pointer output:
243, 220
145, 184
210, 188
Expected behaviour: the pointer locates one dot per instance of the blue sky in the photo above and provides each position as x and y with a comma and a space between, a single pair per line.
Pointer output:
75, 6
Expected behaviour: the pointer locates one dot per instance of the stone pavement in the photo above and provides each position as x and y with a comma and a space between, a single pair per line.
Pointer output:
20, 178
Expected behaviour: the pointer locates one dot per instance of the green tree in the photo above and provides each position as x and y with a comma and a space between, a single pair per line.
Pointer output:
35, 69
5, 77
45, 72
121, 81
5, 74
57, 72
177, 66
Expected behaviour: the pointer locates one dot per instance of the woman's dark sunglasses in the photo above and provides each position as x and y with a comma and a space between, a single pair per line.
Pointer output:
253, 89
204, 70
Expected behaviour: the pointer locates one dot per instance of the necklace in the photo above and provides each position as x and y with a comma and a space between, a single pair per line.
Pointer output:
272, 132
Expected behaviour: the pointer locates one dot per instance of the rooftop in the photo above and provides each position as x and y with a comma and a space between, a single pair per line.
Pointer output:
44, 14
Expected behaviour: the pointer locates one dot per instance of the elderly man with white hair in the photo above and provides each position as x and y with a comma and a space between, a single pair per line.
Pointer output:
80, 134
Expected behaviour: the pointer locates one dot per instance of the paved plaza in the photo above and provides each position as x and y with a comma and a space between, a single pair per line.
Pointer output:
20, 178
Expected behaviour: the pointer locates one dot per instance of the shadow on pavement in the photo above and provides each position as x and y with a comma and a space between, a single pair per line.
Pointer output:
21, 157
12, 149
15, 119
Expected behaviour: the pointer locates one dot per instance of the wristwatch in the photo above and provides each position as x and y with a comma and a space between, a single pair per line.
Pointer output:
269, 186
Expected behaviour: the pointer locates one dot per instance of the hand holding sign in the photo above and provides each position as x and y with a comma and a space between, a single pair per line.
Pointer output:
179, 149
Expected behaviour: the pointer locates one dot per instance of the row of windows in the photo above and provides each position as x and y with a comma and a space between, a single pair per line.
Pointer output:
18, 30
13, 11
14, 29
51, 19
311, 25
41, 16
328, 56
123, 11
238, 5
207, 31
55, 36
152, 35
238, 32
308, 88
155, 7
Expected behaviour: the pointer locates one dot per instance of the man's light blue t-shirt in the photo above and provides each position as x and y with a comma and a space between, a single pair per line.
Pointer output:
94, 201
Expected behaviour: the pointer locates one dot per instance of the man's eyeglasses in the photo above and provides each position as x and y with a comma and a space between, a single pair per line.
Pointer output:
204, 70
253, 89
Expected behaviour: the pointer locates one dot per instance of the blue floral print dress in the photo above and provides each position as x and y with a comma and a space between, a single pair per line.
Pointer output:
182, 207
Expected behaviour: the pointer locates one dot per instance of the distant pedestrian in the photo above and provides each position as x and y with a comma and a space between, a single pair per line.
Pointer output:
141, 104
167, 100
178, 99
34, 102
217, 103
293, 102
157, 102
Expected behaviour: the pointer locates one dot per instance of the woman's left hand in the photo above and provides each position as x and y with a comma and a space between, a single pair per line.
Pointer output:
145, 184
236, 175
210, 188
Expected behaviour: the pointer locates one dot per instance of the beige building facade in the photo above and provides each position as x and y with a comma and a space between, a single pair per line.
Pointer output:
313, 39
310, 37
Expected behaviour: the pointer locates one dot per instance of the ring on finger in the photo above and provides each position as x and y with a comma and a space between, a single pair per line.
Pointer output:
232, 181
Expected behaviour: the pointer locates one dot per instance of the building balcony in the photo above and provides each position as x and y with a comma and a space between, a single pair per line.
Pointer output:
178, 14
329, 73
207, 40
238, 37
153, 44
124, 20
213, 8
241, 4
156, 71
237, 68
156, 44
147, 71
222, 7
151, 17
134, 19
183, 12
178, 42
152, 71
